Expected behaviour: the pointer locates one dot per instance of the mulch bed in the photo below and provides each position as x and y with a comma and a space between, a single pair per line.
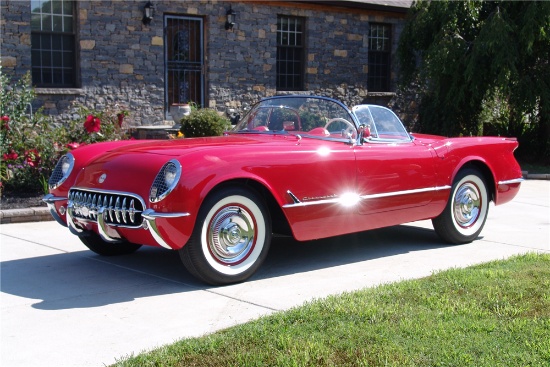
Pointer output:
21, 200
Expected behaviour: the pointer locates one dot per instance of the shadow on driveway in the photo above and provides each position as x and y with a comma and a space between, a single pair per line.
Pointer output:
83, 279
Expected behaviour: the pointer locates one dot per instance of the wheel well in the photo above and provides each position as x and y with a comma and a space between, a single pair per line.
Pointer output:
486, 173
279, 222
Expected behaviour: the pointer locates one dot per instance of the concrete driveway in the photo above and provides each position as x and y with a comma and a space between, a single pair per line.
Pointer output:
62, 305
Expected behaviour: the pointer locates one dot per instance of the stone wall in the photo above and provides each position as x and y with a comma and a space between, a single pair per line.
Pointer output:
122, 60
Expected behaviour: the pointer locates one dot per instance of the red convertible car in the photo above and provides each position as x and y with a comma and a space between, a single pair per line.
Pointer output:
304, 166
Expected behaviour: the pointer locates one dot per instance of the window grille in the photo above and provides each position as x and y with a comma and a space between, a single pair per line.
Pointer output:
53, 43
184, 60
379, 58
290, 53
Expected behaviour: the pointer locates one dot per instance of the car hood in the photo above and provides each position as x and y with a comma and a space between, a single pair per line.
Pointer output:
127, 165
178, 147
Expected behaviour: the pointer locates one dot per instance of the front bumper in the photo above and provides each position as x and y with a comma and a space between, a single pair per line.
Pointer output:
85, 213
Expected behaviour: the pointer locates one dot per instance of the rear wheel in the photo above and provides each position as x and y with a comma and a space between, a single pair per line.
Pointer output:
97, 245
231, 237
467, 208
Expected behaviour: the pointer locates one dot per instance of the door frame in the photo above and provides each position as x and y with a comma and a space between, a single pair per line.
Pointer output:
167, 43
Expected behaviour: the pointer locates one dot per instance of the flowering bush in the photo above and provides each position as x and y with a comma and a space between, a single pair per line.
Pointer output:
31, 144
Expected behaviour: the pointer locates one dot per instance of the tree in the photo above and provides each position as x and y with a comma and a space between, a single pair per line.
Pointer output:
481, 62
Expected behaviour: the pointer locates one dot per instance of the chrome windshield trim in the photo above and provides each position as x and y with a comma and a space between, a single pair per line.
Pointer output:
337, 199
375, 140
510, 182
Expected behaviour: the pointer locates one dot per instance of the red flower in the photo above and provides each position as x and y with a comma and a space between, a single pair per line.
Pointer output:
120, 117
92, 124
32, 157
10, 156
5, 122
72, 146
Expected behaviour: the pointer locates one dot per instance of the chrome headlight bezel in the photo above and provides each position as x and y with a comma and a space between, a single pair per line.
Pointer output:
61, 172
165, 181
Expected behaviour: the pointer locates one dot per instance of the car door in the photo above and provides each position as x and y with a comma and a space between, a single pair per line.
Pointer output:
393, 171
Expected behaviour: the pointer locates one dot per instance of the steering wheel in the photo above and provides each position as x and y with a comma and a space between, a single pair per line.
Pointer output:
345, 133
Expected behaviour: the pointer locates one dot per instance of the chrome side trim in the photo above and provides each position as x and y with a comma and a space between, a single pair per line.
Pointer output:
337, 199
406, 192
293, 197
150, 222
509, 182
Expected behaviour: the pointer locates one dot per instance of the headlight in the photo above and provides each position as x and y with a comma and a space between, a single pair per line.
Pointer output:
166, 180
61, 171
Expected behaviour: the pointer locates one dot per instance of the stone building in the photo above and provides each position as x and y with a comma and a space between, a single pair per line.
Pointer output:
145, 56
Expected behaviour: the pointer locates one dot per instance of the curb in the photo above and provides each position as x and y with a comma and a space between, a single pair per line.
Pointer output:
537, 176
42, 214
36, 214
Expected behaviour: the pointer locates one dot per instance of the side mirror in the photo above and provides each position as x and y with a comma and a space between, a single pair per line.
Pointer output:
364, 133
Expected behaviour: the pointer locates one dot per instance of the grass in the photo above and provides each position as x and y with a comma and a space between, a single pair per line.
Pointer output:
495, 314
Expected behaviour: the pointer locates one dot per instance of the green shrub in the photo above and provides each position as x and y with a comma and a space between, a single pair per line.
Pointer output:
204, 122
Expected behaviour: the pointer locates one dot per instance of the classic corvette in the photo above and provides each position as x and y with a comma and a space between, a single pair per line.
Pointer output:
304, 166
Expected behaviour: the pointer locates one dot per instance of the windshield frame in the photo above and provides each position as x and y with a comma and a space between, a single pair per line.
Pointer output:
306, 115
374, 126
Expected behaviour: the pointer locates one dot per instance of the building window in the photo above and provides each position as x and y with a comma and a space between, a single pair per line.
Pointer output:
53, 43
379, 58
290, 53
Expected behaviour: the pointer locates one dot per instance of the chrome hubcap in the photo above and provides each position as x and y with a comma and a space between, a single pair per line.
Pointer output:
231, 235
467, 205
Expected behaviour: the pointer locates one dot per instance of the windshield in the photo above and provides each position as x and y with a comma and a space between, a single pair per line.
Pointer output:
299, 115
381, 122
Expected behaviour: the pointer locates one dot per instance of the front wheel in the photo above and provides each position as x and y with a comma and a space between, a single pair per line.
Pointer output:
94, 242
466, 212
231, 237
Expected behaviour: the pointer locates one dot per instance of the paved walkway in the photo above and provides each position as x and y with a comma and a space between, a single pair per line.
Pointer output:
62, 305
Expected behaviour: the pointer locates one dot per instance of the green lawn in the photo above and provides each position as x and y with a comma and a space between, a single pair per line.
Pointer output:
495, 314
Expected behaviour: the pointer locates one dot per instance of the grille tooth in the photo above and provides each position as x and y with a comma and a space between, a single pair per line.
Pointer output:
132, 211
94, 207
111, 209
105, 208
88, 201
124, 211
119, 209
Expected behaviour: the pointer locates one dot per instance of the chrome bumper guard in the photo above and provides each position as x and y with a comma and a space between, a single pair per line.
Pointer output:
103, 215
150, 222
50, 200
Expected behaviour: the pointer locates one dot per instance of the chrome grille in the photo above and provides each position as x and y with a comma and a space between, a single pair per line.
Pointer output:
119, 209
